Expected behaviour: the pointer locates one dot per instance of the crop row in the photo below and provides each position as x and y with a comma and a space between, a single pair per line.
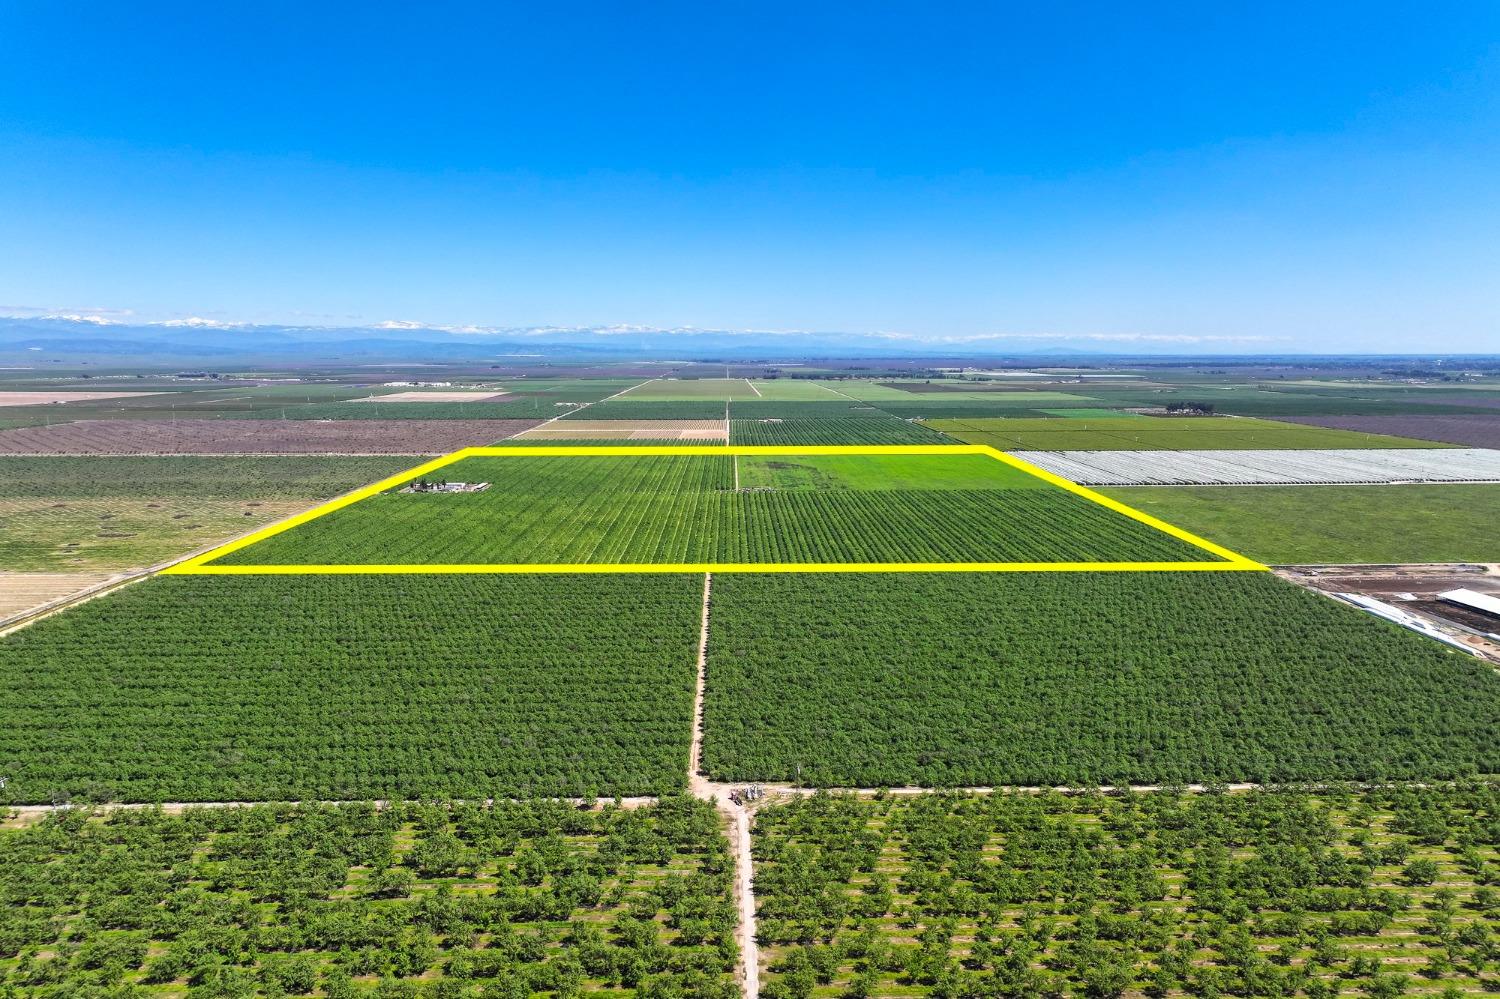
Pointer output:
841, 430
1275, 893
518, 899
684, 509
151, 477
213, 689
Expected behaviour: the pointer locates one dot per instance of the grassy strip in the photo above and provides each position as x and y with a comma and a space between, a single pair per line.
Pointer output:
113, 512
1296, 524
63, 534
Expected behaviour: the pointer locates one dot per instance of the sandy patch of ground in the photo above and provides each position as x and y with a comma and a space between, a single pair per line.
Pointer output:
438, 397
677, 430
67, 535
46, 397
21, 592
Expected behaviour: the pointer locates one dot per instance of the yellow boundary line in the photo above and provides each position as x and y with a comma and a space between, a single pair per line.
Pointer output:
1227, 561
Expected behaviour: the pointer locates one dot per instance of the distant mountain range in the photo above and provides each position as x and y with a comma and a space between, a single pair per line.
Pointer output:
89, 339
68, 339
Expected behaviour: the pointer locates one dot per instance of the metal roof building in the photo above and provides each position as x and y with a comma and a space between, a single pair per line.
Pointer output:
1482, 602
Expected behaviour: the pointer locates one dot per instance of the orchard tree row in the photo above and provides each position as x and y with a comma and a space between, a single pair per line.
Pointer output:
1273, 893
433, 899
253, 688
980, 679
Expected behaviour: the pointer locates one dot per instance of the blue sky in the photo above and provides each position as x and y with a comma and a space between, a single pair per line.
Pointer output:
1231, 176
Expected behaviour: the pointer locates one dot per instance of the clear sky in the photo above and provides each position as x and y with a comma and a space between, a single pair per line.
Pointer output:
1263, 175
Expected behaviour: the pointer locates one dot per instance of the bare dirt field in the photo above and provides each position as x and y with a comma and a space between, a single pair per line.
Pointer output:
437, 397
1472, 430
680, 430
44, 398
88, 437
21, 592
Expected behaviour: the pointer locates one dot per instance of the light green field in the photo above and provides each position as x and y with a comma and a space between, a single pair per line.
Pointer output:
788, 390
1095, 414
685, 510
1030, 398
564, 385
1290, 525
866, 472
671, 390
877, 393
1185, 433
865, 391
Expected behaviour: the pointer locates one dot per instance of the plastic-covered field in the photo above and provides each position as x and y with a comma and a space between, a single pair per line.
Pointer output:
1372, 465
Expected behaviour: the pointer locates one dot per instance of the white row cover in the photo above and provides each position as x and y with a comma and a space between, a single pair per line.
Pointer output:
1312, 467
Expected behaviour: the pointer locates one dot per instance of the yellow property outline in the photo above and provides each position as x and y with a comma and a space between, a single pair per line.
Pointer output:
198, 565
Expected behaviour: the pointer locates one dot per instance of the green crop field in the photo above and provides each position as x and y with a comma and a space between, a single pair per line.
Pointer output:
195, 402
625, 408
1281, 525
833, 408
516, 899
881, 393
868, 391
109, 512
1249, 400
582, 389
1079, 678
835, 430
251, 477
1273, 893
674, 390
936, 406
1112, 432
1094, 414
686, 510
255, 689
790, 389
830, 472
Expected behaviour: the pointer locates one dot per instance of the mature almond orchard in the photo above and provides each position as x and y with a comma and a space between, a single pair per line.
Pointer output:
406, 687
